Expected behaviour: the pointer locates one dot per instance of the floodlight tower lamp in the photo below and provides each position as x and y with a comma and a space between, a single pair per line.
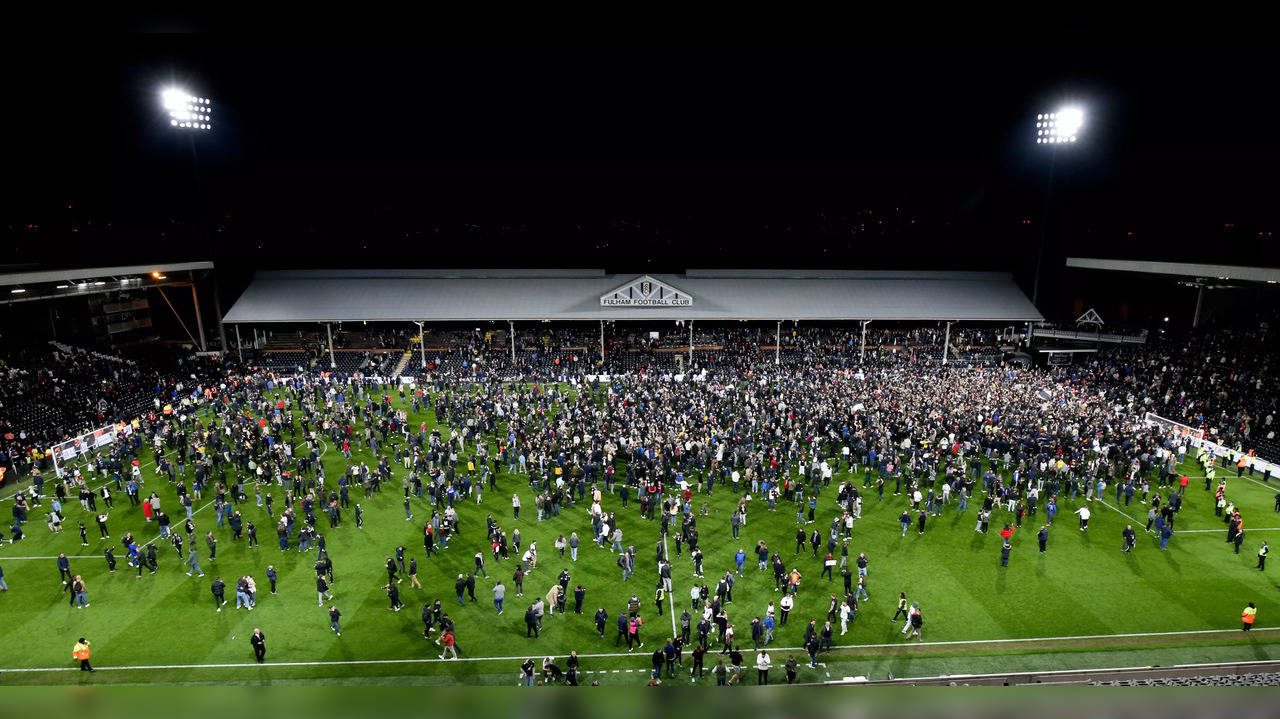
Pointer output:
1063, 126
187, 111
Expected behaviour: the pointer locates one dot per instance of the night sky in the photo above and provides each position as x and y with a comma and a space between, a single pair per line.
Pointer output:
352, 159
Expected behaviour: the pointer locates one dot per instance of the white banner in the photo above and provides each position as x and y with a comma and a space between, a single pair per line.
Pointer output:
1196, 439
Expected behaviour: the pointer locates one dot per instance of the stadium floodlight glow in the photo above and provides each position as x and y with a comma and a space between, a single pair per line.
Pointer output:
187, 111
1063, 126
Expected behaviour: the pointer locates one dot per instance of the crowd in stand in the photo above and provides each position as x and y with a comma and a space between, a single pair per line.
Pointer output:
1222, 382
52, 392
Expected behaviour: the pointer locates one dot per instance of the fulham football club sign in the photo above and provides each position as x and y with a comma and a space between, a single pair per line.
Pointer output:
646, 292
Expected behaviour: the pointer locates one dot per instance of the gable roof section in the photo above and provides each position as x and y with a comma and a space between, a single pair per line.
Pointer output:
645, 291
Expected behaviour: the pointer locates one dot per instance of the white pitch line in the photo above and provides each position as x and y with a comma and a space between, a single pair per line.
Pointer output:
1192, 531
670, 600
906, 644
1251, 479
157, 538
1247, 530
69, 556
1130, 516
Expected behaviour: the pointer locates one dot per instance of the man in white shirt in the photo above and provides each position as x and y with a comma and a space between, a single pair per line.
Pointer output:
1084, 518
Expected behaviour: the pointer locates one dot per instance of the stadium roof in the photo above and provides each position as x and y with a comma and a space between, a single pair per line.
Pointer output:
1181, 269
723, 295
42, 276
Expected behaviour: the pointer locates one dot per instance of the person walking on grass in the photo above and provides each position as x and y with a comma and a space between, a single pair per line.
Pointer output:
499, 594
393, 595
633, 633
906, 626
79, 594
64, 570
763, 663
413, 573
917, 622
81, 653
219, 588
322, 591
334, 616
450, 643
1084, 518
193, 561
902, 609
1249, 614
530, 623
259, 643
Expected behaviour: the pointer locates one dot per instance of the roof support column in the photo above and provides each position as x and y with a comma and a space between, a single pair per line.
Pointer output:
1195, 320
333, 364
422, 347
777, 344
690, 345
195, 300
239, 342
946, 343
602, 343
512, 331
217, 309
863, 351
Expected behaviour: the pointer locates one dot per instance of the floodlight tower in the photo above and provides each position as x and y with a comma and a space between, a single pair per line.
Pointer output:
1053, 129
194, 113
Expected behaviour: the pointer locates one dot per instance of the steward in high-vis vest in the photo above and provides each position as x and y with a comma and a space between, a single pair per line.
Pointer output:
81, 652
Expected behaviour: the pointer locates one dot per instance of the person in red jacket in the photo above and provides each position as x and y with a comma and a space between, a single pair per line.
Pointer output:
448, 641
1006, 533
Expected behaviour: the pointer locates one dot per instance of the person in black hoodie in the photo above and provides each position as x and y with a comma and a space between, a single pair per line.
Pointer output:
219, 589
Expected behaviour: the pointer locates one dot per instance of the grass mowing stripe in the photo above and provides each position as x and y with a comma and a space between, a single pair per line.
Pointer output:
670, 599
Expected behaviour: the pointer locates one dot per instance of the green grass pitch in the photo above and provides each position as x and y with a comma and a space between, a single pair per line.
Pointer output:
163, 629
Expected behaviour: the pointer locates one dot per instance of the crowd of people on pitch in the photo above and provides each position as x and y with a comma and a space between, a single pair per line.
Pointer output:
1026, 440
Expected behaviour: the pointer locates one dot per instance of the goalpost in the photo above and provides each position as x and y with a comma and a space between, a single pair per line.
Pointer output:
1183, 431
80, 446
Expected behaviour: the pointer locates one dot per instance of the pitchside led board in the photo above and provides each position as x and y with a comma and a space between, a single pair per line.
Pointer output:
646, 292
